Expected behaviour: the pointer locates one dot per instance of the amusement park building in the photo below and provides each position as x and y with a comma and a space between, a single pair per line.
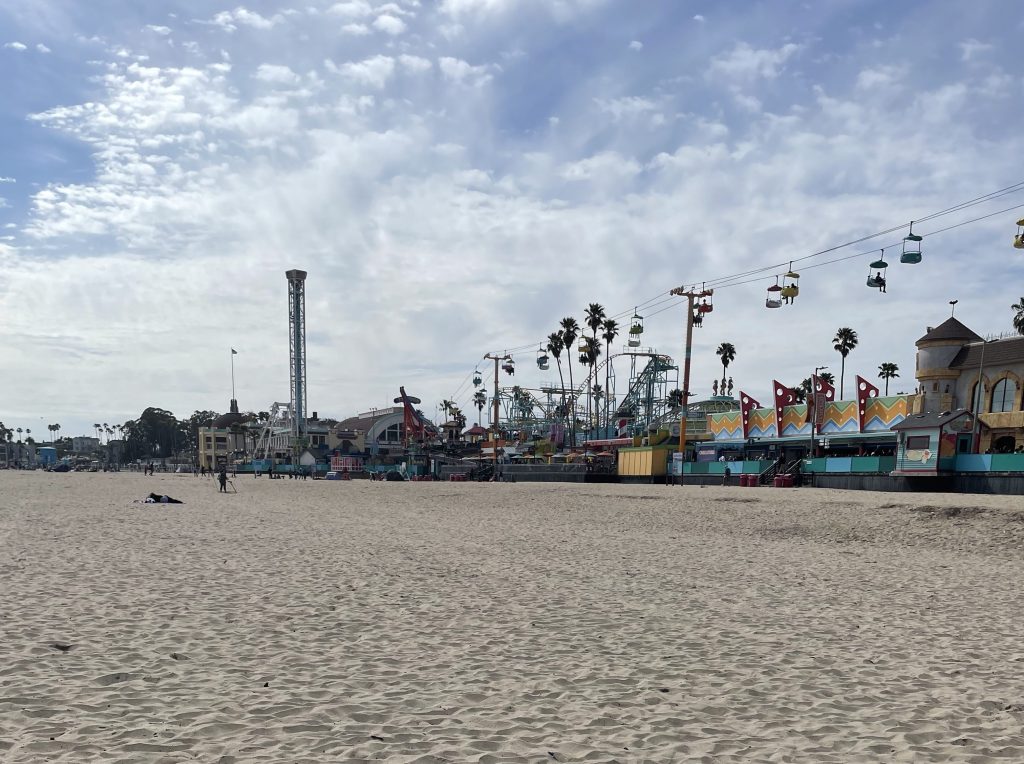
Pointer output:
378, 431
951, 359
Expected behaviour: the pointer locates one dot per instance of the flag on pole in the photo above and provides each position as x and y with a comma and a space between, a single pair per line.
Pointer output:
234, 352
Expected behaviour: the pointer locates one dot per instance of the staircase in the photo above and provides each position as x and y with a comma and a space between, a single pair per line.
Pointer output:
482, 473
768, 475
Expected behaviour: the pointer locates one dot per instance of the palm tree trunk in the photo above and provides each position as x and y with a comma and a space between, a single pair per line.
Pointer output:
572, 402
842, 376
886, 387
561, 383
607, 371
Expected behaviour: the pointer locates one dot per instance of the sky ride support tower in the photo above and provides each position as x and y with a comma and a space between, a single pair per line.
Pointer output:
297, 355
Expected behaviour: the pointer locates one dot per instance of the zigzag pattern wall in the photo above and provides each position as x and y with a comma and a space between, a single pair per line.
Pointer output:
762, 424
794, 421
883, 413
726, 426
840, 416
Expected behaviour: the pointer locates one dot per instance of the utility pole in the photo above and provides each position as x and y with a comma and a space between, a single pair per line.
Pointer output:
690, 296
497, 411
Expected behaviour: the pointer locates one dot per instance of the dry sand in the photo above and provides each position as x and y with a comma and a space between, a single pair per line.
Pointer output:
337, 621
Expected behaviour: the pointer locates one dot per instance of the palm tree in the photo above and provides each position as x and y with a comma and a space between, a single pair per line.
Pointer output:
570, 331
589, 357
480, 400
28, 432
594, 317
844, 341
888, 371
800, 391
675, 399
1018, 318
19, 434
446, 407
611, 330
829, 377
555, 346
727, 353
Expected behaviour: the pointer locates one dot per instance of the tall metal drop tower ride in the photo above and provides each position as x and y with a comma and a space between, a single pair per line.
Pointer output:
297, 352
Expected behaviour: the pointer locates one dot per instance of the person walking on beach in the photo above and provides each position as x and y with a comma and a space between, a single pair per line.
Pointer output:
222, 478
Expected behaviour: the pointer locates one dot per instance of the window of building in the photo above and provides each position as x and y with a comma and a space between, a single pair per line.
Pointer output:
395, 433
1003, 395
222, 440
917, 442
976, 402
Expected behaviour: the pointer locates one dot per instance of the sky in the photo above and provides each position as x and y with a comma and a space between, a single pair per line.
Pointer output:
457, 176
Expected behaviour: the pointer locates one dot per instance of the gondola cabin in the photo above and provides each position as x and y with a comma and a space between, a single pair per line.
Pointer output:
790, 285
542, 360
774, 298
509, 367
911, 248
477, 379
1018, 240
876, 275
636, 328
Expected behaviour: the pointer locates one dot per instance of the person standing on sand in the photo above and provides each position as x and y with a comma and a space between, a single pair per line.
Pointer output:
222, 478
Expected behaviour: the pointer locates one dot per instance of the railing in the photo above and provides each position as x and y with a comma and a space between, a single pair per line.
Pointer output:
768, 474
851, 464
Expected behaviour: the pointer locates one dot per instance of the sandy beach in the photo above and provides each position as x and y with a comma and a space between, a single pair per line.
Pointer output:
416, 622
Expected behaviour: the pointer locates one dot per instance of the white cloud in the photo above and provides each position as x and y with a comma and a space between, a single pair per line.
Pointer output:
626, 106
276, 73
608, 166
160, 30
42, 48
374, 71
699, 19
229, 20
6, 179
360, 30
744, 62
971, 48
414, 63
560, 10
879, 77
457, 70
18, 46
636, 45
351, 9
391, 25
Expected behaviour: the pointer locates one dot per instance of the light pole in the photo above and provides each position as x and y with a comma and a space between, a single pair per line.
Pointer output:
979, 396
494, 423
952, 304
812, 405
690, 296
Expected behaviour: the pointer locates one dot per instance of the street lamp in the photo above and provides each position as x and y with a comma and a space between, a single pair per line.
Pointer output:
979, 396
813, 404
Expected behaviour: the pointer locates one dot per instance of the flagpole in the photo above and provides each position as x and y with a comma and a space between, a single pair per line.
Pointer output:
232, 374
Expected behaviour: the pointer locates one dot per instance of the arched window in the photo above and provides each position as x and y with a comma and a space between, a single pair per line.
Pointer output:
977, 392
1003, 395
395, 433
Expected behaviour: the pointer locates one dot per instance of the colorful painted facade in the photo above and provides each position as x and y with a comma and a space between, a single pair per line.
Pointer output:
880, 414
